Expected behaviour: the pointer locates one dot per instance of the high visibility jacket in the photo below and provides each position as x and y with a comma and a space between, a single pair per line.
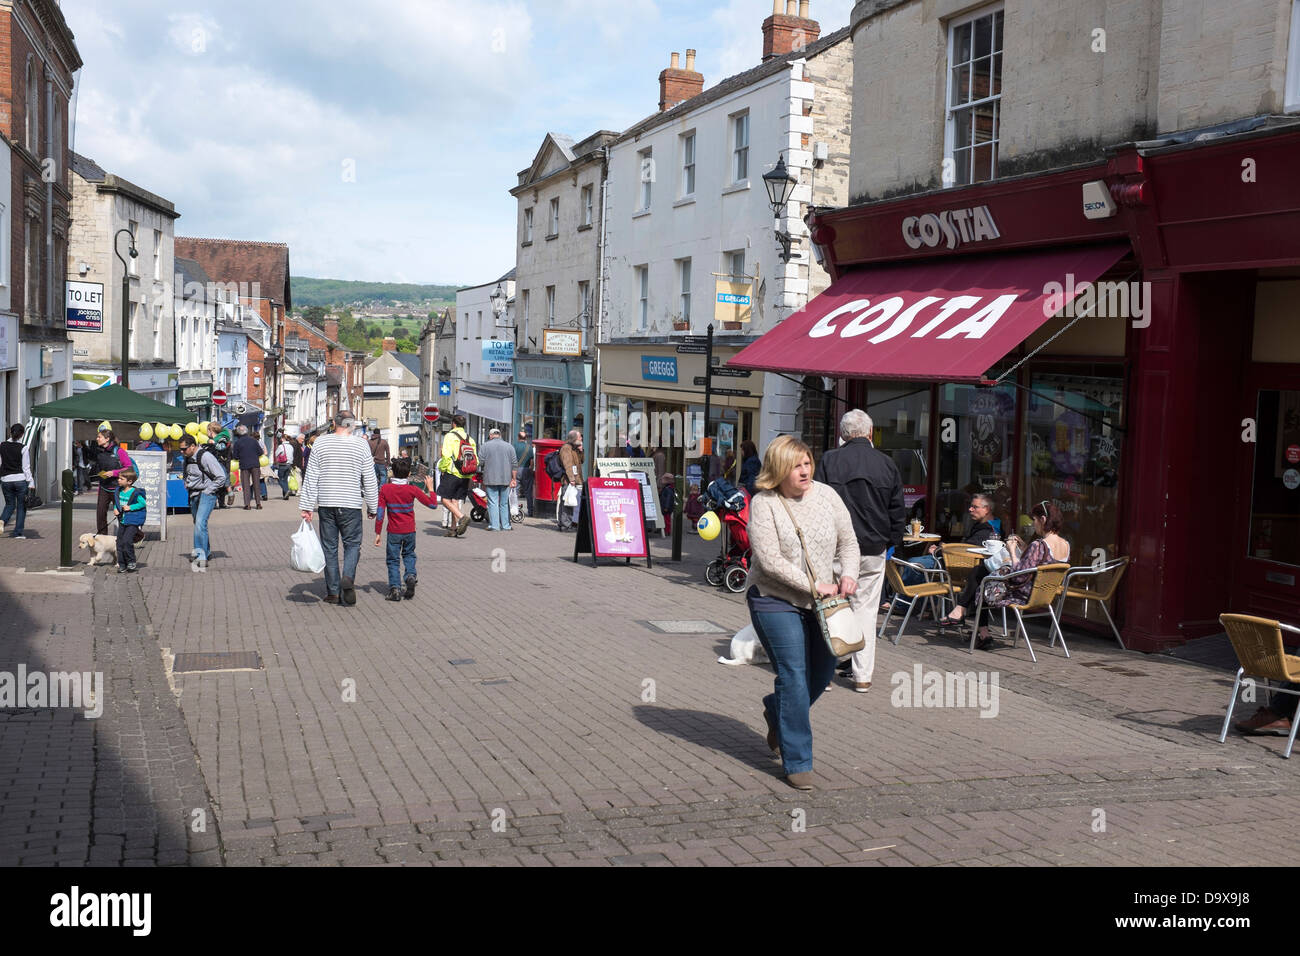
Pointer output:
451, 450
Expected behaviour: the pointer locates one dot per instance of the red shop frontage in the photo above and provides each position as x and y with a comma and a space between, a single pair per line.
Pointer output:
1122, 339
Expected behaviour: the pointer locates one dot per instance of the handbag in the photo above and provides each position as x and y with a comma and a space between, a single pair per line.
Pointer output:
840, 627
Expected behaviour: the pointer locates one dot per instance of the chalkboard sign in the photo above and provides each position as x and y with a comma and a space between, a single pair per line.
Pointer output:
152, 466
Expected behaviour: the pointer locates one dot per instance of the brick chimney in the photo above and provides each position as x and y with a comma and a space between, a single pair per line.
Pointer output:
788, 29
332, 329
390, 344
677, 85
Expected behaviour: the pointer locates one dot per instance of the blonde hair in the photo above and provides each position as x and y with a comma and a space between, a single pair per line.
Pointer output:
782, 457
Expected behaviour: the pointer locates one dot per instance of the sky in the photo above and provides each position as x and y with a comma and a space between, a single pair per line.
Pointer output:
378, 139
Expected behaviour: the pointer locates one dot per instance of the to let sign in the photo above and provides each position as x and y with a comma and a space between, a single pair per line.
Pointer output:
84, 306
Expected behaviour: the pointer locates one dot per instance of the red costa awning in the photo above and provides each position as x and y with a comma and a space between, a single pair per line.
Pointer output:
947, 321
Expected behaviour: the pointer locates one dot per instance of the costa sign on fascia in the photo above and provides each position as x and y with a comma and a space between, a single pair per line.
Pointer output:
951, 227
981, 315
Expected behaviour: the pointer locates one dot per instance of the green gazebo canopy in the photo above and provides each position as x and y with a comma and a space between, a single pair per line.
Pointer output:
115, 404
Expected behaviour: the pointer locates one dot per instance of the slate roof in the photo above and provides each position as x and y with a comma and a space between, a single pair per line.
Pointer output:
191, 272
88, 169
732, 84
237, 260
411, 360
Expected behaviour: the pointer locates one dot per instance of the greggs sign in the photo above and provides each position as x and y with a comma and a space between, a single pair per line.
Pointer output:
951, 227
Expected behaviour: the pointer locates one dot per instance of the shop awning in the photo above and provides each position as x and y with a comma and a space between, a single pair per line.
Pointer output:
947, 321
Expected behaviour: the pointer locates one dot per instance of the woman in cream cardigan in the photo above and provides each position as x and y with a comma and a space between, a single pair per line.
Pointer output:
780, 599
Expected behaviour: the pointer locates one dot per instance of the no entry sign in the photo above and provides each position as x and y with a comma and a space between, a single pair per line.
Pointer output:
431, 413
218, 397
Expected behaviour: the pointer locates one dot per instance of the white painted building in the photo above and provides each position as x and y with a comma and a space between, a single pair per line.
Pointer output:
689, 220
196, 310
485, 352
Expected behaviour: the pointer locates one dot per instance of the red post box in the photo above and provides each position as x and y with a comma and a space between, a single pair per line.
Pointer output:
544, 489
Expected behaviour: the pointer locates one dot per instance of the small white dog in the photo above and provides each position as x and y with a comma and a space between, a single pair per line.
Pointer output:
104, 545
745, 648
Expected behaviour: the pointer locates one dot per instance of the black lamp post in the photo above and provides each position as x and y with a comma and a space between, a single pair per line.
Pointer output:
126, 305
780, 183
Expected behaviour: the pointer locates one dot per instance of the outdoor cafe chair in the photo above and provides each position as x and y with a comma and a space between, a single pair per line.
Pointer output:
1042, 594
935, 585
959, 561
1102, 595
1261, 654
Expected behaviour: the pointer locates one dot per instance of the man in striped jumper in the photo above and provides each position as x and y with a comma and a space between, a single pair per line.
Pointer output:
340, 478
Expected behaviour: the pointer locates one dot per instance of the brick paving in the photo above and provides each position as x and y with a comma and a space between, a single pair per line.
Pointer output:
520, 712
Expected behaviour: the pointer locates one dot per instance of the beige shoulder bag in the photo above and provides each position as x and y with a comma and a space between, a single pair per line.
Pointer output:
840, 627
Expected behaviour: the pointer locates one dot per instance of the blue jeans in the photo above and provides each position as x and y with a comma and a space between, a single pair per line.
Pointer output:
15, 493
804, 666
381, 474
200, 509
498, 507
401, 548
282, 475
911, 576
336, 523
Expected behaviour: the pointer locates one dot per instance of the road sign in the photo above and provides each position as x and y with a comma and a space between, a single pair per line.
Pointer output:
431, 413
691, 350
732, 372
731, 391
218, 398
694, 340
444, 388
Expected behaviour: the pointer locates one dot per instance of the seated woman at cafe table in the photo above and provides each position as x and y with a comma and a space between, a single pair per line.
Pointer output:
1048, 548
981, 508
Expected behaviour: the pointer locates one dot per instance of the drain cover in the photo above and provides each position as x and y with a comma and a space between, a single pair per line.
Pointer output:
224, 661
462, 661
686, 627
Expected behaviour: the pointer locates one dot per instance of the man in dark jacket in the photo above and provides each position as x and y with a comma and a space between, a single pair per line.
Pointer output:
247, 450
872, 489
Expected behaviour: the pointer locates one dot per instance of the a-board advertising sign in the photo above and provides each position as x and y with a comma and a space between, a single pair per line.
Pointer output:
611, 523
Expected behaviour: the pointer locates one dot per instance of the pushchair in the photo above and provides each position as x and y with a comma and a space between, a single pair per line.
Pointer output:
731, 567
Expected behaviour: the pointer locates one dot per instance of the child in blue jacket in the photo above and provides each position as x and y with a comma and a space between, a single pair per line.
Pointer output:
130, 517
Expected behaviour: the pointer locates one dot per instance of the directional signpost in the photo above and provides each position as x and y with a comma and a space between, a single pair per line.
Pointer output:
692, 349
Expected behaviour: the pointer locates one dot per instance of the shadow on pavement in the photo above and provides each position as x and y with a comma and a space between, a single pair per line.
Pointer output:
718, 732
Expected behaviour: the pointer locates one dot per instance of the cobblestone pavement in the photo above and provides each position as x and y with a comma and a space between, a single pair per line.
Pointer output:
522, 710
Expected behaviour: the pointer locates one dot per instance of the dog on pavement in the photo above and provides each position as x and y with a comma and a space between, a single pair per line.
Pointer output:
745, 648
104, 545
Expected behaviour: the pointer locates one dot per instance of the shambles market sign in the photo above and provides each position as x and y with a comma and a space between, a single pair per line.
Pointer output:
195, 398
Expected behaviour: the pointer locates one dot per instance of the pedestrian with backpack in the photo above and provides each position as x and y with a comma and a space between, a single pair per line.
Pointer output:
571, 459
131, 507
205, 480
458, 462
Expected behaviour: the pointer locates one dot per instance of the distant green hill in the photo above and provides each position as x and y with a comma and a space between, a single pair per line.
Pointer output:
339, 292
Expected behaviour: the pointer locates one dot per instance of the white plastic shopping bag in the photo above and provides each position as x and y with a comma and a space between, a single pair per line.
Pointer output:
307, 554
570, 495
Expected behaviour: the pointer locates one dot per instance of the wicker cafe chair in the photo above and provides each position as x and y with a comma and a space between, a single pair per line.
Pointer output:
935, 585
1261, 653
1102, 595
959, 562
1048, 579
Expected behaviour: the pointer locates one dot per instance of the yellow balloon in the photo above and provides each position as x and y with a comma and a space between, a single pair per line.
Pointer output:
708, 526
105, 426
161, 430
201, 438
146, 432
176, 432
192, 428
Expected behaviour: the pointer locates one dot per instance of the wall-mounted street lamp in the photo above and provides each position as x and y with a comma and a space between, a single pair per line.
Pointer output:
780, 183
126, 305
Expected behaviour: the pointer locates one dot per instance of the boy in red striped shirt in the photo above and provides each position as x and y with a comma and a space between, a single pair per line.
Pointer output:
398, 498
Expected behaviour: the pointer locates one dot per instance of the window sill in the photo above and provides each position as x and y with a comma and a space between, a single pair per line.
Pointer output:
736, 187
640, 213
528, 243
685, 201
584, 227
554, 235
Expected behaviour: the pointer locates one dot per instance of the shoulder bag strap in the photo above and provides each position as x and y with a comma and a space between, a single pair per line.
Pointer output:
807, 562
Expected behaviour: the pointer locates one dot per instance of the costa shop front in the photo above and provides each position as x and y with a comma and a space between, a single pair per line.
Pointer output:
1122, 339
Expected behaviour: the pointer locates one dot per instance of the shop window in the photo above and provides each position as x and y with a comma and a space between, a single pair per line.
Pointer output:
976, 453
1072, 440
1293, 62
974, 98
900, 415
813, 422
1275, 483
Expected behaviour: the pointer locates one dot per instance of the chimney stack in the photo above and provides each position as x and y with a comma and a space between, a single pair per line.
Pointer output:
390, 344
677, 85
332, 329
788, 31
